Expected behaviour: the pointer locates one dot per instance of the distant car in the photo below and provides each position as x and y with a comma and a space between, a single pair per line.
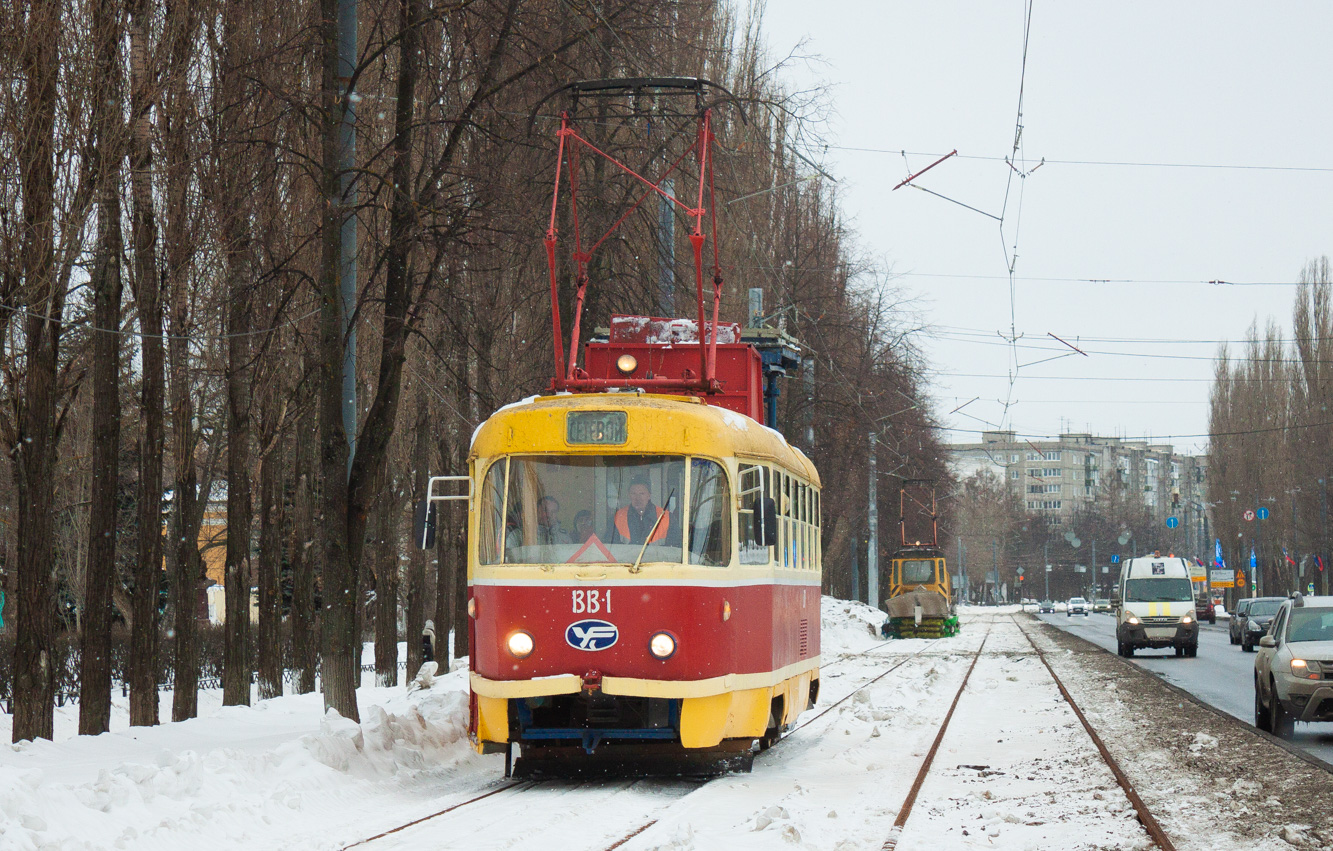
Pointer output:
1045, 606
1291, 666
1076, 606
1101, 605
1203, 610
1251, 625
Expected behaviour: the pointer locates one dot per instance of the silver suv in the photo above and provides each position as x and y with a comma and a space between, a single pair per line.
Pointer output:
1293, 671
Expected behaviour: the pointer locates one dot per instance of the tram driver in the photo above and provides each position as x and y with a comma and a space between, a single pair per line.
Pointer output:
634, 523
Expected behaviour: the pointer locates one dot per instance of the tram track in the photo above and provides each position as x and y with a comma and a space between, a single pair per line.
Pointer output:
511, 788
921, 653
1144, 815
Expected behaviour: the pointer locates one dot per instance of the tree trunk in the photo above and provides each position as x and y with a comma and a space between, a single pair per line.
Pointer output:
147, 286
386, 587
305, 554
95, 638
416, 575
186, 513
340, 645
35, 447
270, 563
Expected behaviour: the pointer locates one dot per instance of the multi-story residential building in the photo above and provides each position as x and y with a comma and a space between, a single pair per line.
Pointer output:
1055, 478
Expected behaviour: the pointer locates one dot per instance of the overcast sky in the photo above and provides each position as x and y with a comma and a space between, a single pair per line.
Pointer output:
1113, 255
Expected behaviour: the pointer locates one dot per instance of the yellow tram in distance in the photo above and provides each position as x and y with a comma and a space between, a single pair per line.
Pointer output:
919, 598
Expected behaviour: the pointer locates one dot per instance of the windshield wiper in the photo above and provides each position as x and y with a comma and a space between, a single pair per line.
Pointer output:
649, 537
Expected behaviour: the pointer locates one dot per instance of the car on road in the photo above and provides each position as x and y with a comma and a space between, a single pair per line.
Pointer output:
1204, 611
1155, 606
1046, 606
1077, 606
1101, 605
1251, 622
1294, 666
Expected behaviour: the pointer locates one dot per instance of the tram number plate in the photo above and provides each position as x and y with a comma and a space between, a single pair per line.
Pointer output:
591, 601
595, 427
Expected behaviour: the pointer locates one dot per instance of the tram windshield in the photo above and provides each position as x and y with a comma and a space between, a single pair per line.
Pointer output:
591, 509
918, 571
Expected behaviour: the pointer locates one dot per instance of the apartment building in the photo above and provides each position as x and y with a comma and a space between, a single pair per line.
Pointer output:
1056, 477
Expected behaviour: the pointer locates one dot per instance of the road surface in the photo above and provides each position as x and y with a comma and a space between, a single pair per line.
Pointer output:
1222, 675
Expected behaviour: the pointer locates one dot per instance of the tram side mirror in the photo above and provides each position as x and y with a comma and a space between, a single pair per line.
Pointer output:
423, 525
764, 515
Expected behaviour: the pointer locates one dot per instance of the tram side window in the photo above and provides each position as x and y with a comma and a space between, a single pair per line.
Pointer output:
710, 514
751, 517
788, 540
802, 542
491, 511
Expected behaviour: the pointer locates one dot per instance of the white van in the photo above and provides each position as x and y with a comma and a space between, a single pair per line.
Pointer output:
1154, 606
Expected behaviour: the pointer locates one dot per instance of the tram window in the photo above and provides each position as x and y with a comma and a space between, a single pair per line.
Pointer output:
630, 498
751, 515
710, 514
491, 511
918, 571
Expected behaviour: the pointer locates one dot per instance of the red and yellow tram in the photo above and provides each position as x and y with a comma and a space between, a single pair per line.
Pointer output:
698, 632
643, 551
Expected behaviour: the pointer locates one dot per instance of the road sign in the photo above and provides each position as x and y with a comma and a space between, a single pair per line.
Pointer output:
1248, 515
1048, 568
1080, 568
1115, 559
1222, 578
1240, 578
1262, 513
1172, 522
1309, 590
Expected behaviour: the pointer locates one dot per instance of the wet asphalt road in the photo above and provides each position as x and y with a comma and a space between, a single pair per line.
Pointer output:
1222, 675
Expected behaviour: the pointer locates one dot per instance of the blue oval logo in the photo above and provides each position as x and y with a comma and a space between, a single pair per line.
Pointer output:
591, 635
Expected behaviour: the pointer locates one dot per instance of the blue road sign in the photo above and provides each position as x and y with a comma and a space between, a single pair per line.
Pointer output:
1173, 522
1115, 559
1262, 514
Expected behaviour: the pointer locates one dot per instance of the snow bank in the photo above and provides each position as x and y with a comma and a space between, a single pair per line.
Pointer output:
278, 771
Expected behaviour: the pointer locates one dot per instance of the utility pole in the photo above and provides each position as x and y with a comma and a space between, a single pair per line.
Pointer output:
1046, 566
666, 251
872, 551
347, 23
1323, 540
1095, 582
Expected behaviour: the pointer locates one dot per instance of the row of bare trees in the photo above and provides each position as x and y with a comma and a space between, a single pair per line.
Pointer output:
1271, 445
172, 211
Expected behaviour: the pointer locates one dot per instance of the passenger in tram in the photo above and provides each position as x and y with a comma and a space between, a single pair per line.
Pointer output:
549, 528
633, 523
582, 526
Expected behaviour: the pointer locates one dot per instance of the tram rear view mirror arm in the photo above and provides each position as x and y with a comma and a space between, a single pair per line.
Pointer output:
426, 516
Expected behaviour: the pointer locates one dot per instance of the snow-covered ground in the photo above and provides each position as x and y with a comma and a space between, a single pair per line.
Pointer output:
1015, 770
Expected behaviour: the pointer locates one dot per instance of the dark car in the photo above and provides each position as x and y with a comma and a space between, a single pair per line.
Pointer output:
1045, 606
1251, 621
1203, 610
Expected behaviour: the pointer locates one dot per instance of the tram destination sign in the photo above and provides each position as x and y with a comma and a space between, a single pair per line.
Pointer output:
607, 427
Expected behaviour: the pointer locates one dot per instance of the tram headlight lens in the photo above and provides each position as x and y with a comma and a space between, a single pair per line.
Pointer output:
472, 607
626, 364
520, 644
662, 645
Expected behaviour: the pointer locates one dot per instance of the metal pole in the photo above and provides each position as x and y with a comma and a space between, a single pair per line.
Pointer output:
1096, 583
1323, 541
872, 551
1046, 566
347, 22
666, 251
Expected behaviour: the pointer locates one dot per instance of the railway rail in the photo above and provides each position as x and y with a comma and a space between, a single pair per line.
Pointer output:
515, 787
1145, 816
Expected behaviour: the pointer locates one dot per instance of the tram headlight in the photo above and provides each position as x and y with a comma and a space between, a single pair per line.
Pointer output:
662, 645
626, 364
520, 644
